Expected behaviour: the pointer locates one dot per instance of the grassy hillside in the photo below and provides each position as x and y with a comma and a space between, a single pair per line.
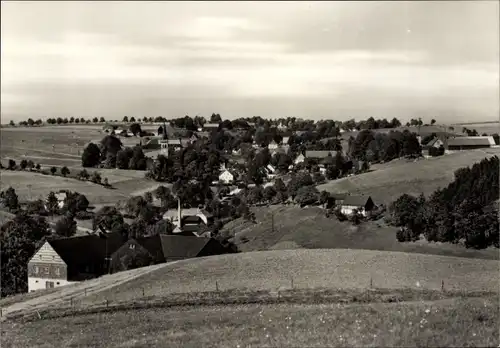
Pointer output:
43, 184
458, 322
296, 227
389, 181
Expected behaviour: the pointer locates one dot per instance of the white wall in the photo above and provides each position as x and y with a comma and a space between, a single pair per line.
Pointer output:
348, 210
39, 283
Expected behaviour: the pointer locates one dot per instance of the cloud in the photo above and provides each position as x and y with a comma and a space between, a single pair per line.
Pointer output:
300, 51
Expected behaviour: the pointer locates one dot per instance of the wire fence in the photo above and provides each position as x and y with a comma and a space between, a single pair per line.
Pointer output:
87, 301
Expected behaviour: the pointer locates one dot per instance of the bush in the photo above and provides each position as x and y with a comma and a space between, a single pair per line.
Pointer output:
340, 216
84, 215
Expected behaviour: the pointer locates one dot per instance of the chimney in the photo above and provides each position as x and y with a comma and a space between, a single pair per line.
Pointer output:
179, 213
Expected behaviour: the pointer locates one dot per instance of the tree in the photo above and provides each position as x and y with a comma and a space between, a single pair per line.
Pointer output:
12, 165
307, 195
65, 171
102, 120
30, 165
433, 121
72, 119
148, 196
125, 119
11, 123
91, 156
36, 207
38, 167
135, 128
83, 175
110, 145
53, 170
52, 204
106, 182
356, 217
96, 178
82, 203
95, 120
23, 164
77, 120
20, 238
122, 159
163, 194
65, 227
10, 199
215, 118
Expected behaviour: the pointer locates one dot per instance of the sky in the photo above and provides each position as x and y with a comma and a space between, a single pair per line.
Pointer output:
317, 60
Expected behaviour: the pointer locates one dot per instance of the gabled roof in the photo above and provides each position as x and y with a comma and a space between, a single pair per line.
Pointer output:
320, 154
211, 125
168, 246
472, 141
355, 200
89, 249
433, 142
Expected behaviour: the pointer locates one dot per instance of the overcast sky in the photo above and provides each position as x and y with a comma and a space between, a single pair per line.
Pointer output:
312, 60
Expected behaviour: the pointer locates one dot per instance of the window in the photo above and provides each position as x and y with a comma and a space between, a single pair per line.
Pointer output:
36, 269
132, 246
47, 270
57, 283
36, 281
58, 271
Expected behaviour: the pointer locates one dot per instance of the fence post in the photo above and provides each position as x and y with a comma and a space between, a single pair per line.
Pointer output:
291, 279
142, 292
107, 303
216, 285
442, 285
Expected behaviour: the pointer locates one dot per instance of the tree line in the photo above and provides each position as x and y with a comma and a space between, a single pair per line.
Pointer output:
463, 212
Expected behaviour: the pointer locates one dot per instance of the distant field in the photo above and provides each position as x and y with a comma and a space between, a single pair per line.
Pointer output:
449, 323
296, 227
43, 184
488, 128
393, 179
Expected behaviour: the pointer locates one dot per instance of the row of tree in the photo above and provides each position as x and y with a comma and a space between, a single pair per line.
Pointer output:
463, 212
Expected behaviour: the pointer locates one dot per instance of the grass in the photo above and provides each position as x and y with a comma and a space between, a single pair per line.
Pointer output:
392, 180
296, 227
43, 184
343, 269
456, 322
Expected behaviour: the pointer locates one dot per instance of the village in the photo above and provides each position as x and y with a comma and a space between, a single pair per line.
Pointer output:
276, 167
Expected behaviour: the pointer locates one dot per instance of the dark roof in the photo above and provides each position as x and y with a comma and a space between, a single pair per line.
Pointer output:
355, 200
320, 154
471, 141
190, 219
432, 142
87, 249
168, 246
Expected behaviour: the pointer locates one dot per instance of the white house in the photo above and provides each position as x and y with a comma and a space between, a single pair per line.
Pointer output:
226, 177
46, 269
272, 145
363, 204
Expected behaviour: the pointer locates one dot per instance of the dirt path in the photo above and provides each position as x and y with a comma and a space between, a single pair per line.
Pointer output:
77, 290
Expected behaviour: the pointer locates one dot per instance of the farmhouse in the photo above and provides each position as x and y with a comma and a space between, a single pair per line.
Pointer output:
470, 143
165, 248
283, 149
63, 261
363, 204
436, 143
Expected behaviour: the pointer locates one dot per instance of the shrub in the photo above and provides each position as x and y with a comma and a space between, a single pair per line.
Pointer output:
53, 170
84, 215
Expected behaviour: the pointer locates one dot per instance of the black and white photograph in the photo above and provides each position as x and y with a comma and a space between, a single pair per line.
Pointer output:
250, 174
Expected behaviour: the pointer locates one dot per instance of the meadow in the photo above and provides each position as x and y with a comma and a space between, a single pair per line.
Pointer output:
308, 227
390, 180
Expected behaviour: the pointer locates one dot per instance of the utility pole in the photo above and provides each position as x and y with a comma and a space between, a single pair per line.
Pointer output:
272, 221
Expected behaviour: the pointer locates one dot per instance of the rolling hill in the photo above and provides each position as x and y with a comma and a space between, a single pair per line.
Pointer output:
388, 181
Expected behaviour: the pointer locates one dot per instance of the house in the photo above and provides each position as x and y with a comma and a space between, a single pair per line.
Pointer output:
61, 197
210, 126
272, 145
284, 141
436, 142
189, 221
283, 149
363, 204
165, 248
470, 143
227, 177
299, 159
67, 260
335, 200
320, 155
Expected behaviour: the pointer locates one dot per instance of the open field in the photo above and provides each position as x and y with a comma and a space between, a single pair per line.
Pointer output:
452, 322
296, 227
487, 127
43, 184
272, 271
391, 180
